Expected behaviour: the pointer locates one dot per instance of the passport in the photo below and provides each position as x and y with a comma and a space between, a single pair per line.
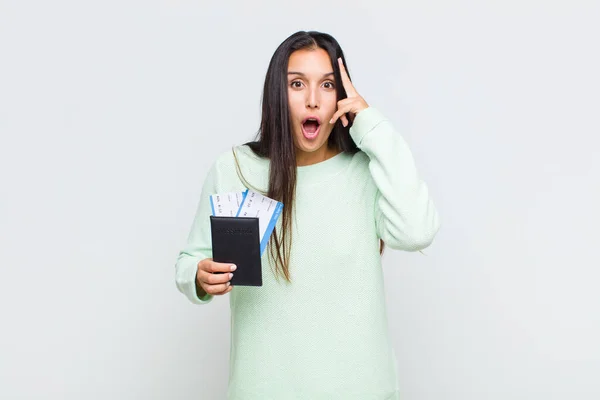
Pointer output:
237, 241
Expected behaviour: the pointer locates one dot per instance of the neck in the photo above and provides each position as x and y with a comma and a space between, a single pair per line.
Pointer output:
324, 153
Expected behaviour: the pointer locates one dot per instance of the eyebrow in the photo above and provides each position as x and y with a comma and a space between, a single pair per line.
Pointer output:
302, 74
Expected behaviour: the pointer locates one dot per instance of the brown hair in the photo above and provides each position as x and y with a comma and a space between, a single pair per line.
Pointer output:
275, 141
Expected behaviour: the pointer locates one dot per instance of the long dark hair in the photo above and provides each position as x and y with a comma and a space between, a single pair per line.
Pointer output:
274, 139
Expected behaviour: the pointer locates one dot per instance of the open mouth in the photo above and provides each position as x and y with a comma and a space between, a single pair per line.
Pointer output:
311, 127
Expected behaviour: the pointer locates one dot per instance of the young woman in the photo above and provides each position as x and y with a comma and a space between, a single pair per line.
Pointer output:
349, 185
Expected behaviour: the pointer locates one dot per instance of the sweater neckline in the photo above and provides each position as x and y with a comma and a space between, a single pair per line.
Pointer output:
322, 170
313, 173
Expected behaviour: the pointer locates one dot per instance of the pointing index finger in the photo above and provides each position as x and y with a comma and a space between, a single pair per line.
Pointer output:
350, 91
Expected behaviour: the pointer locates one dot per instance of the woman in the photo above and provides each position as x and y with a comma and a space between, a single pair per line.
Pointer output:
349, 185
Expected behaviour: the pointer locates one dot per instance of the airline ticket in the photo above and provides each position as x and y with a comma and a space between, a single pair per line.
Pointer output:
249, 204
226, 204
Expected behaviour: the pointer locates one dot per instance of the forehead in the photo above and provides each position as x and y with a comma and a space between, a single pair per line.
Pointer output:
310, 62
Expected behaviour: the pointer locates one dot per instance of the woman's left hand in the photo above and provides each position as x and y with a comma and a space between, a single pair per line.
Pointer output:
352, 104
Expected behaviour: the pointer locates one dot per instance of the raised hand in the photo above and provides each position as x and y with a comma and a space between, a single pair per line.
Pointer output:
352, 104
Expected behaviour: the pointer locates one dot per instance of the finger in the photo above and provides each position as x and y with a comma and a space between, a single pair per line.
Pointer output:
342, 109
344, 120
341, 114
217, 289
217, 267
229, 289
335, 117
348, 87
214, 278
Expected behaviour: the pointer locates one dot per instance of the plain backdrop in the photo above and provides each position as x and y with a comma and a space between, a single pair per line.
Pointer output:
111, 113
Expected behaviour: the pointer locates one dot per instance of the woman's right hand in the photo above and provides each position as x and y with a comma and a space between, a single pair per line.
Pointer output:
210, 282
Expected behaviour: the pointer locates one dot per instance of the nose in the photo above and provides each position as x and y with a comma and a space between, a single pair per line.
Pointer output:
312, 98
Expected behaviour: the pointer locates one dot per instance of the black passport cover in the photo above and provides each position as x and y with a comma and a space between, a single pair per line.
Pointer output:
236, 240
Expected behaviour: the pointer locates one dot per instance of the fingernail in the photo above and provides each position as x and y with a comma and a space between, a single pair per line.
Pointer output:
228, 283
230, 275
233, 267
331, 121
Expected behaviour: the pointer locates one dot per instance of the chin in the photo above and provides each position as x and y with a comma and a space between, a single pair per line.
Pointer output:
310, 145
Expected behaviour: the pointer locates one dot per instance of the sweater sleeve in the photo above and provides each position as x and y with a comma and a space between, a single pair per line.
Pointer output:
198, 246
405, 216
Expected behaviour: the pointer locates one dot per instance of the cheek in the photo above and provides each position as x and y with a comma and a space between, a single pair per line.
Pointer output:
296, 103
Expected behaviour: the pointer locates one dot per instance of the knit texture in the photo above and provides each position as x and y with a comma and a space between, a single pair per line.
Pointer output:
325, 334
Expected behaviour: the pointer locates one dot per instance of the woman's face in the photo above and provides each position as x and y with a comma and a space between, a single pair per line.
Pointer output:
312, 102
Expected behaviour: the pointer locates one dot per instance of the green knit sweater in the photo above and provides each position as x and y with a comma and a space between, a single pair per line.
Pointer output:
325, 335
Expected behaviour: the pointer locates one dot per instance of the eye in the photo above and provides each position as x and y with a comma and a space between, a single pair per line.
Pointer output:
330, 83
296, 86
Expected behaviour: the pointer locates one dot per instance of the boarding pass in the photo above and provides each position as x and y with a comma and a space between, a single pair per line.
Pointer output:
249, 204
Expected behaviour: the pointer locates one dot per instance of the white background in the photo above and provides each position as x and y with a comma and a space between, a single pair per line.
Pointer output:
111, 112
